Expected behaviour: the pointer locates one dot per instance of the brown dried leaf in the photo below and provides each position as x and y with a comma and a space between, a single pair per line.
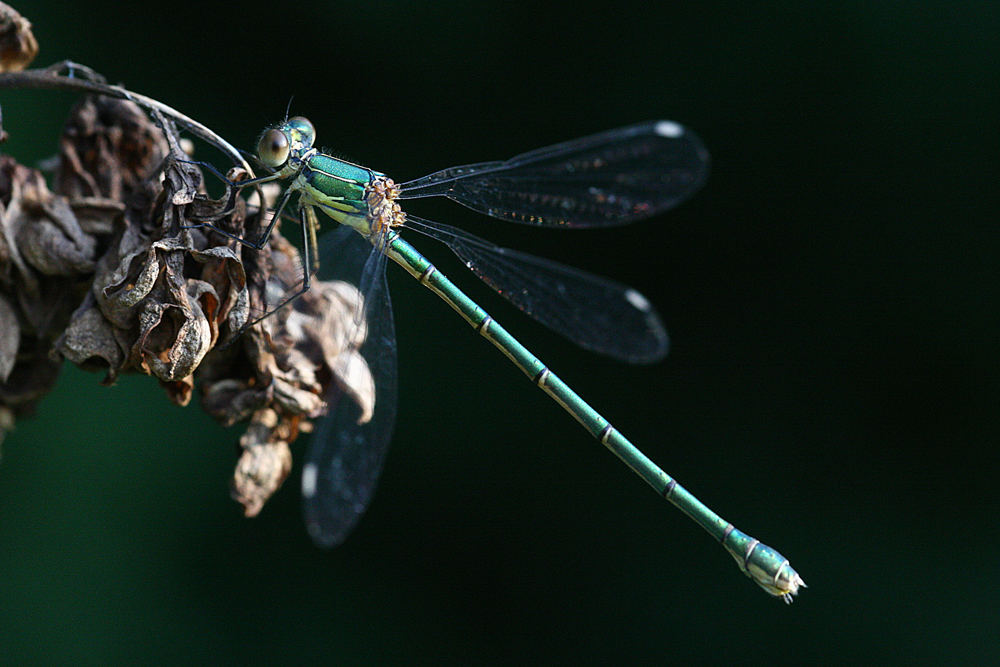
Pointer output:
125, 276
223, 270
355, 379
109, 148
18, 46
172, 340
44, 301
332, 324
32, 377
22, 188
230, 401
265, 462
55, 245
97, 215
10, 338
90, 341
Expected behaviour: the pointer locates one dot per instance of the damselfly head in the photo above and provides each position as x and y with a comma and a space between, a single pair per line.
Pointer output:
291, 138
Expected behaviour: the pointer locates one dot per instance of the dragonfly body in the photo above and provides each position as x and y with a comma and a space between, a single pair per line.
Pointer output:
607, 179
761, 563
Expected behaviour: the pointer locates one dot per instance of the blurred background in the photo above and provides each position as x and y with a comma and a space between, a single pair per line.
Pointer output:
832, 386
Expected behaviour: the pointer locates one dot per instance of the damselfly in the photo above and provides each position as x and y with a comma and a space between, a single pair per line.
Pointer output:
607, 179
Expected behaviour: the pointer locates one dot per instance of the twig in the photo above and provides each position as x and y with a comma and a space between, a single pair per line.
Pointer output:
52, 78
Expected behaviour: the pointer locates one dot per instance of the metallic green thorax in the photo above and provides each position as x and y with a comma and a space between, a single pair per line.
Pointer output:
337, 187
337, 179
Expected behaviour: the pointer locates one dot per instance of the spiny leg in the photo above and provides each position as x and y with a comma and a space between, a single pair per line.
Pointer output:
274, 220
308, 222
233, 189
263, 238
313, 224
233, 184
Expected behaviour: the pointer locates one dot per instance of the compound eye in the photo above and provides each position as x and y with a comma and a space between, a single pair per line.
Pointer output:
306, 131
273, 147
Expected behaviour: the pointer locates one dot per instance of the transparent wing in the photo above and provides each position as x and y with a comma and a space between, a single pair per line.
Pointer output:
347, 451
611, 178
595, 313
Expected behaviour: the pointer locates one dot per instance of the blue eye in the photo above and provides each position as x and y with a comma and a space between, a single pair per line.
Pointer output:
305, 129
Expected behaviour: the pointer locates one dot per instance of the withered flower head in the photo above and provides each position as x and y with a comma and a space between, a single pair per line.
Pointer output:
109, 272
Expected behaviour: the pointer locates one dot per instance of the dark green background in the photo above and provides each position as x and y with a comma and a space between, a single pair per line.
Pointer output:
832, 387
